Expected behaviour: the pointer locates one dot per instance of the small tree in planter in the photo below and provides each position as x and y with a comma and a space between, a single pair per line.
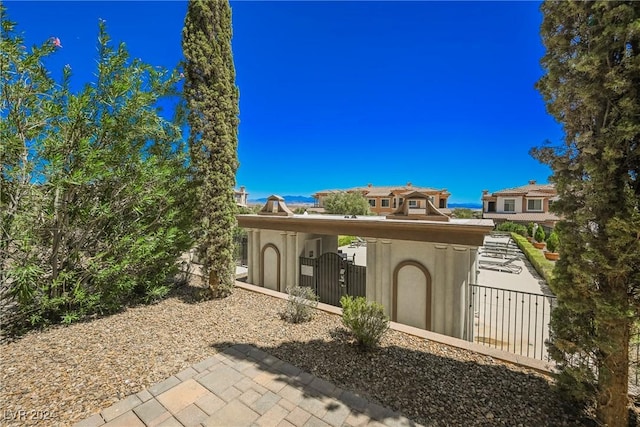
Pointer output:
540, 236
552, 247
530, 227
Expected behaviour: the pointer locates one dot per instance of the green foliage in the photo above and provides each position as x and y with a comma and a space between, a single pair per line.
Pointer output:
543, 266
347, 203
94, 192
212, 105
553, 242
530, 228
540, 235
345, 240
301, 304
590, 85
513, 228
366, 320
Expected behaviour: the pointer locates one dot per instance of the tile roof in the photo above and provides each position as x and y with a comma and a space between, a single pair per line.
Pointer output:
543, 189
381, 191
526, 216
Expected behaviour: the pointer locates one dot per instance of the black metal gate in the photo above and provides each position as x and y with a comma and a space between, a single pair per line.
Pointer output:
331, 276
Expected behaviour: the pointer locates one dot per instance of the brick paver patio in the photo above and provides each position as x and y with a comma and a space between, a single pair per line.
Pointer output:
244, 386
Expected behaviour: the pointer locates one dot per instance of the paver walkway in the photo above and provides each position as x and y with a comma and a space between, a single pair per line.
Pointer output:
244, 386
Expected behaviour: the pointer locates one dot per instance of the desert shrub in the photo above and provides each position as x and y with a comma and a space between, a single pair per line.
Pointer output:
366, 320
540, 235
553, 242
301, 304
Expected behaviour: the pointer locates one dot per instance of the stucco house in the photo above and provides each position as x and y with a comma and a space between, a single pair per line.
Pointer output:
241, 196
386, 199
525, 204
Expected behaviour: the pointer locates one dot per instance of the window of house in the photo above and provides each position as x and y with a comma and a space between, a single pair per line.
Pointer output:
491, 207
443, 204
395, 204
372, 203
534, 204
510, 205
413, 203
384, 203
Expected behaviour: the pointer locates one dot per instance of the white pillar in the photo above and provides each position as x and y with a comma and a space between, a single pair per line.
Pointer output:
385, 273
293, 267
371, 293
439, 282
257, 262
250, 260
459, 290
284, 263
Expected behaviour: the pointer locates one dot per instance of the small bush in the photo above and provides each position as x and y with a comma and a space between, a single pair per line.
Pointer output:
345, 240
553, 242
366, 320
530, 227
300, 305
540, 235
513, 228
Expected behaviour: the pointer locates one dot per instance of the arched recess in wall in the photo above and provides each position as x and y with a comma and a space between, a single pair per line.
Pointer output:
427, 292
262, 265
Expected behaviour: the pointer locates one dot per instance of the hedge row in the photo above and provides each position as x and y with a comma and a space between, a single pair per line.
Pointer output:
543, 266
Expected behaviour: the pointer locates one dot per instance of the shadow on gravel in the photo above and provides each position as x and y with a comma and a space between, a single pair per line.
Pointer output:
429, 389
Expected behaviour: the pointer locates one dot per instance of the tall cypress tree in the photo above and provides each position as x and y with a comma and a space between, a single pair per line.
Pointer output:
212, 103
592, 87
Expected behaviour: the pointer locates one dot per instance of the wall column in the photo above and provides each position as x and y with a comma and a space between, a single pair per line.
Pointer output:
384, 249
250, 260
293, 268
371, 293
256, 267
284, 262
439, 290
459, 290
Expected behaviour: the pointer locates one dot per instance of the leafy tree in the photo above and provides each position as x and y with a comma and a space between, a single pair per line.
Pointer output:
212, 103
92, 185
592, 86
347, 203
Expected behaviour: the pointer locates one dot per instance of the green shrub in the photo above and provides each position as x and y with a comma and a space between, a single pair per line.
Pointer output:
530, 227
301, 304
540, 235
513, 228
553, 242
366, 320
543, 266
345, 240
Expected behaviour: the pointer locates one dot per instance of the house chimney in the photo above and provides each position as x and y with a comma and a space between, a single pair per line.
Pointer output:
485, 192
369, 185
409, 184
532, 182
242, 188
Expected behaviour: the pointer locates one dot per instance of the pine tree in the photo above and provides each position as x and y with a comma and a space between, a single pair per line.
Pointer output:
591, 86
212, 103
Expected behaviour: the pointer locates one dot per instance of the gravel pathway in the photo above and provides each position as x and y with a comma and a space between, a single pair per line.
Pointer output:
66, 374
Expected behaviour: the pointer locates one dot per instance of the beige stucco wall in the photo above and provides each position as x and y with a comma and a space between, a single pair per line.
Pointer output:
264, 247
451, 269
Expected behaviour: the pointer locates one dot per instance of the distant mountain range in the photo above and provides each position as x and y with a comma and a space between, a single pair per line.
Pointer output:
465, 205
309, 200
287, 199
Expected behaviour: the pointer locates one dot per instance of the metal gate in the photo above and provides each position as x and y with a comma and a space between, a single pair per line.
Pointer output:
331, 276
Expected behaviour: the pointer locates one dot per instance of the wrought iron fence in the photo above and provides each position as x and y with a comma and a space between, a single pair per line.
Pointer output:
518, 322
513, 321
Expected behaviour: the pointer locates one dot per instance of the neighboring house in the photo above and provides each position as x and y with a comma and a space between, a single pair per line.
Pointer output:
385, 200
529, 203
241, 196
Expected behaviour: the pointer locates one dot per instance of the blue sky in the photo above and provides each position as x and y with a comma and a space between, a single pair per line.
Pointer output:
345, 93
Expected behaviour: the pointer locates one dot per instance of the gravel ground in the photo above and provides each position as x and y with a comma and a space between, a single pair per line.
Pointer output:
69, 373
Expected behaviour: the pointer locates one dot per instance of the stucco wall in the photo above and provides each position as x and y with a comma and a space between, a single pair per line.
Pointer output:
401, 275
274, 256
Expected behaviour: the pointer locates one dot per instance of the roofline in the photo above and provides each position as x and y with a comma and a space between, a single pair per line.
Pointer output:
471, 233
